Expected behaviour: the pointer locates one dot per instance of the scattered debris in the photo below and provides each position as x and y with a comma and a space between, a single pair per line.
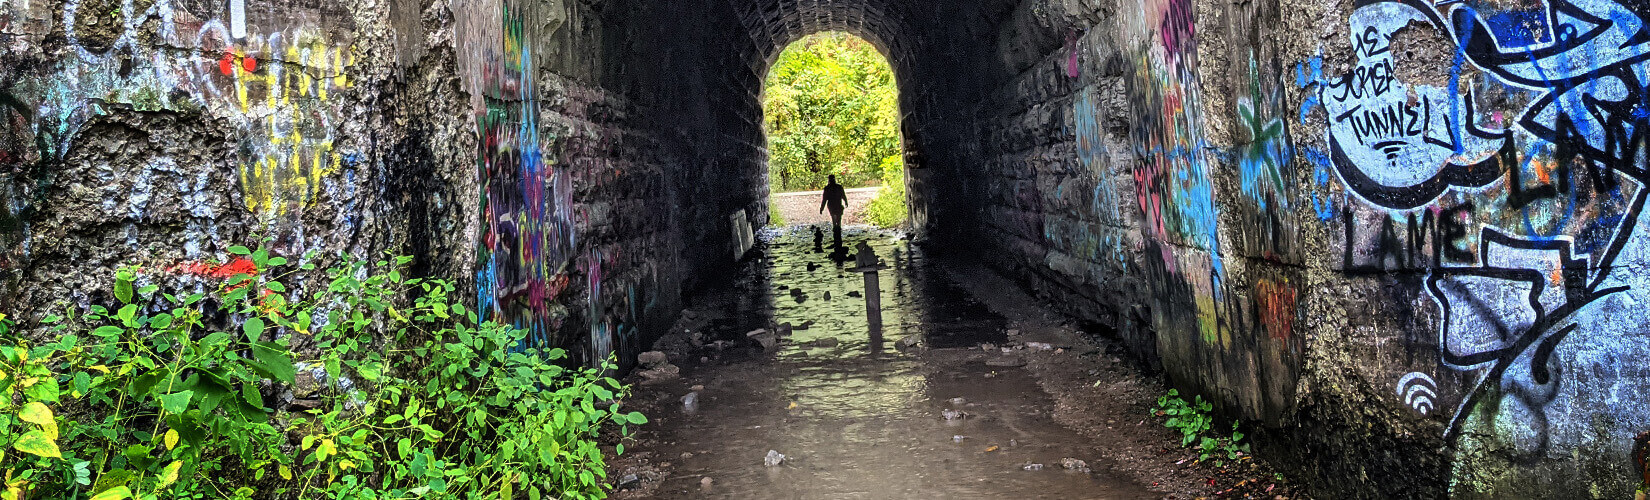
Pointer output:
992, 448
1032, 466
951, 414
1040, 346
958, 438
773, 459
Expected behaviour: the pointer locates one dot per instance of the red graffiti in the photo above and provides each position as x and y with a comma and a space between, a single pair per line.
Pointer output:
227, 64
241, 265
1275, 305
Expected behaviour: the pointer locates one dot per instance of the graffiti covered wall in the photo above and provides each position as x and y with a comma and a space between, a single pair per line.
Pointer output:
487, 138
1418, 232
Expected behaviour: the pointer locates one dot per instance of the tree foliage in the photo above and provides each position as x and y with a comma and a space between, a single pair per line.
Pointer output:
831, 108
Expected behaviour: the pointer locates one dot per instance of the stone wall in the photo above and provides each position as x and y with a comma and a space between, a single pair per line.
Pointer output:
1402, 238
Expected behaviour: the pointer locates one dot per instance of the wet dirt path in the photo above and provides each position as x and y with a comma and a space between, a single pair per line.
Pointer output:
857, 414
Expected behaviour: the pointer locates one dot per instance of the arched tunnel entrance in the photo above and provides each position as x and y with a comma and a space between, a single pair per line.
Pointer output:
1396, 242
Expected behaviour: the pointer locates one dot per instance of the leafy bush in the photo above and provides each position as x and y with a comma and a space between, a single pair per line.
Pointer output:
169, 396
830, 106
1197, 426
888, 208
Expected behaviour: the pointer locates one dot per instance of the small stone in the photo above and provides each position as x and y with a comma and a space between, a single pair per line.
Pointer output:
773, 459
1074, 464
629, 479
827, 296
988, 347
691, 400
686, 455
784, 329
1030, 466
705, 483
958, 438
696, 388
958, 401
1040, 346
652, 359
660, 374
909, 341
1013, 333
827, 342
855, 294
951, 414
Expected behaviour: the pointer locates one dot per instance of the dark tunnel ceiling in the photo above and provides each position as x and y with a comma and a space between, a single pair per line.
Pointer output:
897, 27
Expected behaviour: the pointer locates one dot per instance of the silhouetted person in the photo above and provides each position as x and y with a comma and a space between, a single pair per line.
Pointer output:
836, 199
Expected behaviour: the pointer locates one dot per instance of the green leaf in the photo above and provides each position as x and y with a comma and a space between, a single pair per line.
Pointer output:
177, 402
112, 479
115, 493
123, 288
271, 360
254, 328
239, 250
37, 443
161, 321
127, 313
636, 417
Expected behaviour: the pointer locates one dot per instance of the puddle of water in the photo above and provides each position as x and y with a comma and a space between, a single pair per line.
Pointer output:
863, 419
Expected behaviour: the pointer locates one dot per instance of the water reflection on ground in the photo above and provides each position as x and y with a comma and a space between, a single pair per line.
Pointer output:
860, 414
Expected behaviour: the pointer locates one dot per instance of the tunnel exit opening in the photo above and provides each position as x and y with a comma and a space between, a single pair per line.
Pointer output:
831, 108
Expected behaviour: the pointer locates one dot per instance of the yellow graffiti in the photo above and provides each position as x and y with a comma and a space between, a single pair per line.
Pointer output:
291, 147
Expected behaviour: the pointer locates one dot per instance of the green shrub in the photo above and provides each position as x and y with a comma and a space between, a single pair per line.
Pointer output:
1197, 426
776, 217
168, 395
888, 208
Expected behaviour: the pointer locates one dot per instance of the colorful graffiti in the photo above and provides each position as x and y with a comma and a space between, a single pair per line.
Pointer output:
526, 259
1513, 176
1172, 185
276, 86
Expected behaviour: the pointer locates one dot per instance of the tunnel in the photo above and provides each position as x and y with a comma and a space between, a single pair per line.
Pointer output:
1398, 238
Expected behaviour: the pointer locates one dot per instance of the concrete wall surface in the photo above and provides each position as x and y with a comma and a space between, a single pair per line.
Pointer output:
1402, 239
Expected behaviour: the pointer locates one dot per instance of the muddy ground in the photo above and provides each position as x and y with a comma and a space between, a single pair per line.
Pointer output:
971, 389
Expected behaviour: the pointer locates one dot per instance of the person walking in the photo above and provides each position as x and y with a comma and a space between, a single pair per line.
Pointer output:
836, 198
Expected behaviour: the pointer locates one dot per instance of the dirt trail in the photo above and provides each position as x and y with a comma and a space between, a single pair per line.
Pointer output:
933, 406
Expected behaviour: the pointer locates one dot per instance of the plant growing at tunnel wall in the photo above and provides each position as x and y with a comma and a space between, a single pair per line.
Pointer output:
199, 394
